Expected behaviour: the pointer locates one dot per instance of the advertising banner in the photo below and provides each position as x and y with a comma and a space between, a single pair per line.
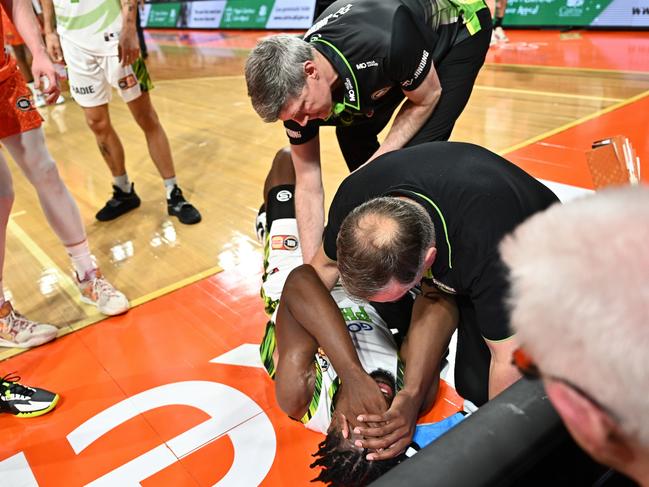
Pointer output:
230, 14
578, 13
291, 14
201, 15
163, 14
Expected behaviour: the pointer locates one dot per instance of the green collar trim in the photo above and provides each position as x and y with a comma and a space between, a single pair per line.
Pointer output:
441, 216
350, 92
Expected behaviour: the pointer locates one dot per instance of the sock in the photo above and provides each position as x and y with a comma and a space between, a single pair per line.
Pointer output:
170, 183
82, 260
122, 182
498, 22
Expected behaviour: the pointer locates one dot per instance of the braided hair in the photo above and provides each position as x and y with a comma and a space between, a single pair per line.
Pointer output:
346, 466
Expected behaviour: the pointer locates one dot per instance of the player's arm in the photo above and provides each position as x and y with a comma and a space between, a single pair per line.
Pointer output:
307, 304
434, 319
22, 14
502, 373
411, 64
309, 196
129, 46
52, 40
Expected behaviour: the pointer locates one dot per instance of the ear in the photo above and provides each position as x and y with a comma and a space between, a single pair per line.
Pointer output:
595, 431
310, 69
431, 253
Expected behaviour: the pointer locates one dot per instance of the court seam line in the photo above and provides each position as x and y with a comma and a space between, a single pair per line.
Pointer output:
566, 68
548, 93
176, 285
574, 123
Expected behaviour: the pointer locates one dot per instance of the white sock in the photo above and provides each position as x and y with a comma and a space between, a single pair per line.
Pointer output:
82, 260
169, 185
122, 182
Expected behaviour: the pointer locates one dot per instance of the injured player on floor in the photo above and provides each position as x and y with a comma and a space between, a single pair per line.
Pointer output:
301, 346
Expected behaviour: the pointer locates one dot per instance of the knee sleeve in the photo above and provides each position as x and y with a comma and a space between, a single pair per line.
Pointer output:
280, 203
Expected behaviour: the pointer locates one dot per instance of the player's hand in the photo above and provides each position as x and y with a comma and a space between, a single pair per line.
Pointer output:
45, 78
53, 44
358, 395
128, 49
392, 431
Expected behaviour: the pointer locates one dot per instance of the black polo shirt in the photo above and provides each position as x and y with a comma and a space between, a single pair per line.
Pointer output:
474, 198
378, 48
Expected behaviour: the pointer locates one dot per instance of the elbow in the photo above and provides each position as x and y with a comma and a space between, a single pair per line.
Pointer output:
292, 408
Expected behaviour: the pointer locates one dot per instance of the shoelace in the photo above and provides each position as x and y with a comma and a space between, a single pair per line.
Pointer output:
101, 285
17, 322
10, 383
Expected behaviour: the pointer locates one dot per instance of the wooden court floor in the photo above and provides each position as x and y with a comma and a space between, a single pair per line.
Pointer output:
541, 100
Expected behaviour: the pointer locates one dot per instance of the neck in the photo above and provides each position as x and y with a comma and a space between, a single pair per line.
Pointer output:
326, 69
637, 468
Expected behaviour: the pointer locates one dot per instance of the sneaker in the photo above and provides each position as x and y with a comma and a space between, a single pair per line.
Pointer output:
96, 290
493, 40
18, 331
24, 401
260, 224
500, 35
178, 206
120, 203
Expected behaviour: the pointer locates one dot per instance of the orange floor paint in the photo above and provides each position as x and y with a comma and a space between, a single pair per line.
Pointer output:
608, 50
171, 393
561, 157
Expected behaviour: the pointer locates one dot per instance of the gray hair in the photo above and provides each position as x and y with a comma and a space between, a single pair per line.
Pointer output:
580, 298
382, 239
275, 73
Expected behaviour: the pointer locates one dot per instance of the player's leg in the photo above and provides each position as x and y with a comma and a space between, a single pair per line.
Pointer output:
15, 329
18, 114
92, 91
134, 84
30, 153
281, 172
282, 252
498, 32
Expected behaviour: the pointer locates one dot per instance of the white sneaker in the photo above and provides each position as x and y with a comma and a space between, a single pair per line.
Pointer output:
18, 331
499, 34
260, 226
98, 291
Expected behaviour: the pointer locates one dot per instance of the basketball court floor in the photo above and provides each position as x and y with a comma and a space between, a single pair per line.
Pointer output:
173, 393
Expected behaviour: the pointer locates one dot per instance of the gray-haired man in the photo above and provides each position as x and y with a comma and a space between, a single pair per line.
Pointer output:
352, 69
